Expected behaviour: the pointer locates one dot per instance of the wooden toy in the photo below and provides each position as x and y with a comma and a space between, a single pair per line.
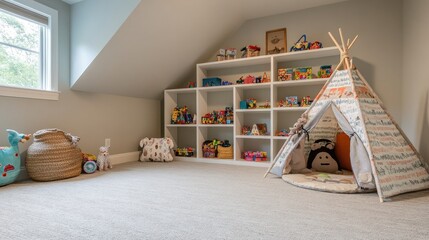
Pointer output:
184, 152
284, 74
250, 51
230, 53
303, 73
212, 81
266, 104
325, 71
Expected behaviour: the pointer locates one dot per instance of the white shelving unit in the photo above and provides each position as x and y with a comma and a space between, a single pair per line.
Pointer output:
202, 100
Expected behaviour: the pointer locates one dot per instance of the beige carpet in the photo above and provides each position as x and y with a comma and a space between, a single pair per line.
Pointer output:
182, 200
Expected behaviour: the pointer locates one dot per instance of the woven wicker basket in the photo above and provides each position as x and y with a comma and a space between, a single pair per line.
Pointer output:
53, 155
225, 152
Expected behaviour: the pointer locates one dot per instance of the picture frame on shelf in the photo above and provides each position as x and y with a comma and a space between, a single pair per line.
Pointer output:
275, 41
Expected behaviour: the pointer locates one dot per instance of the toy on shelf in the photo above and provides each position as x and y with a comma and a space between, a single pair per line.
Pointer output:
210, 148
284, 74
89, 163
303, 44
181, 116
225, 150
226, 83
325, 71
211, 82
306, 101
226, 54
219, 117
266, 104
256, 156
220, 56
303, 73
184, 152
291, 101
282, 133
249, 79
256, 130
265, 78
10, 158
316, 45
231, 53
251, 103
250, 51
191, 84
240, 81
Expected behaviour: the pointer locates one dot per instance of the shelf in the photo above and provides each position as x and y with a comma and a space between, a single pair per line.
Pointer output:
216, 125
305, 82
254, 110
181, 90
290, 109
181, 125
307, 54
217, 88
201, 100
253, 85
240, 62
253, 136
279, 138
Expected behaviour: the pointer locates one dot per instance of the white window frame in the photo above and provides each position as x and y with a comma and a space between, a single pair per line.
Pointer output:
51, 53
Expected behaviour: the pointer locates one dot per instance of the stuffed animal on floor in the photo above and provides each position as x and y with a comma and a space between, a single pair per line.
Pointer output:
322, 157
103, 161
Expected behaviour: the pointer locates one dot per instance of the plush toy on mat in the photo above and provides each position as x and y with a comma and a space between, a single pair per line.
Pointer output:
103, 161
322, 157
156, 149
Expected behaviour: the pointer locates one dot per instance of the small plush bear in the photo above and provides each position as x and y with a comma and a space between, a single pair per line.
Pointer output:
322, 157
103, 161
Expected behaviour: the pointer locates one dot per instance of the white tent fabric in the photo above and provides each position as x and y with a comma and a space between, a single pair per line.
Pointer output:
381, 155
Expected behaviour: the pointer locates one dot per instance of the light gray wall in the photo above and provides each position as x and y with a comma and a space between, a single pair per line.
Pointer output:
415, 85
377, 53
93, 117
93, 23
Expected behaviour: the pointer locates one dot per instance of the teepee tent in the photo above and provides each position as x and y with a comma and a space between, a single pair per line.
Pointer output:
381, 156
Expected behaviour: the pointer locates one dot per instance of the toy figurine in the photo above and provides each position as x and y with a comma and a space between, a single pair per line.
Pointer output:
191, 84
265, 78
249, 80
240, 81
245, 130
305, 102
281, 103
255, 130
250, 51
316, 45
251, 103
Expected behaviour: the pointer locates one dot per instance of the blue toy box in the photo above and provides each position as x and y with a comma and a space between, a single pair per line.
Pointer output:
212, 81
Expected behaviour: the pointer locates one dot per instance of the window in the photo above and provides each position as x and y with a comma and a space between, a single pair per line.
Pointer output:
28, 54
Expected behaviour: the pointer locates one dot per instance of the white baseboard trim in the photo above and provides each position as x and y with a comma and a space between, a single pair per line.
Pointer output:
124, 157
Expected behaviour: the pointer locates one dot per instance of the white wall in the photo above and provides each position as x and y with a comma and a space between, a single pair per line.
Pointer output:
415, 85
377, 53
93, 23
93, 117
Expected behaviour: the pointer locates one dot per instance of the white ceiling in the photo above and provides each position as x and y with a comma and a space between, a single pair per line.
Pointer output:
72, 1
161, 41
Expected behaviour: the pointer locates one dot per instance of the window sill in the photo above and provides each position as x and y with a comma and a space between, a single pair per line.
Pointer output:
29, 93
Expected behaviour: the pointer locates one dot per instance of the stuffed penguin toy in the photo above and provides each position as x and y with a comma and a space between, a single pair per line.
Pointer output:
322, 157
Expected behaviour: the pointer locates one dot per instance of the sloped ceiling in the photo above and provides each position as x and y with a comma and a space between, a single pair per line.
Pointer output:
159, 44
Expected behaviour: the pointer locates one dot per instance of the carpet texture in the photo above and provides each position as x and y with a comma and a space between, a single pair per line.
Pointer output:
182, 200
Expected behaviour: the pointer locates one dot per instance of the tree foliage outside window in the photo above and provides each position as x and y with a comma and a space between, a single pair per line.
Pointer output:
20, 52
